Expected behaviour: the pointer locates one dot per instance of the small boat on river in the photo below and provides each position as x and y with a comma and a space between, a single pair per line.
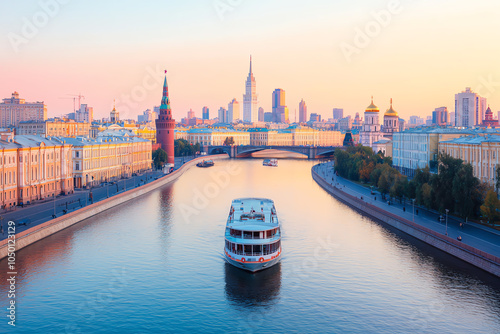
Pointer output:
205, 163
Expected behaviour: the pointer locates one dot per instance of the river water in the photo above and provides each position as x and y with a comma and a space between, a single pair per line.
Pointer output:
156, 265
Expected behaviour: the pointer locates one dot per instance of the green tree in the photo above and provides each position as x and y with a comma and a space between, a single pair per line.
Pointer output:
159, 158
229, 141
497, 179
463, 191
427, 195
490, 208
443, 182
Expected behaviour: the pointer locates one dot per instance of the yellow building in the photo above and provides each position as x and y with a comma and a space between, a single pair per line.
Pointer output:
481, 151
54, 128
108, 158
42, 168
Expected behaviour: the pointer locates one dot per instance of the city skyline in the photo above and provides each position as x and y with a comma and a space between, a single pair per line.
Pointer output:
421, 76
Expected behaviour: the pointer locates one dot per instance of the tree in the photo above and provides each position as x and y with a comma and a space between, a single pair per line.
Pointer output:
464, 186
427, 195
490, 208
183, 148
366, 170
229, 141
159, 158
443, 182
497, 178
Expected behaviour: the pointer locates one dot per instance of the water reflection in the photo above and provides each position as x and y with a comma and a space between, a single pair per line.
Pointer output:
252, 289
165, 208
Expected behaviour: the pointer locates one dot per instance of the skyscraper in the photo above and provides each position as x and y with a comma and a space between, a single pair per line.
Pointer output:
165, 125
280, 110
233, 111
440, 116
338, 113
250, 113
190, 114
84, 114
223, 115
206, 113
261, 114
469, 108
302, 111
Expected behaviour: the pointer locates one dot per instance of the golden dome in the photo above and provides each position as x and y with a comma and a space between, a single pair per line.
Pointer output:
391, 112
372, 107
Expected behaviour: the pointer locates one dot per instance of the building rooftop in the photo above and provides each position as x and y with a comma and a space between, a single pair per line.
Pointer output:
474, 140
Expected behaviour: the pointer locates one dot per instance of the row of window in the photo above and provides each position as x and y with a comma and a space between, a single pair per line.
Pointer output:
253, 234
253, 250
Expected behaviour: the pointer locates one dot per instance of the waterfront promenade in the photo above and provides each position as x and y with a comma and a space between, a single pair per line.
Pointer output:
43, 211
474, 235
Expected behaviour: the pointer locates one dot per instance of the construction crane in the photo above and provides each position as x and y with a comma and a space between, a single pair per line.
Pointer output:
79, 96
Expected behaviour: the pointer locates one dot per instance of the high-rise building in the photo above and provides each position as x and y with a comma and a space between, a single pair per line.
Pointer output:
315, 117
190, 114
165, 125
440, 116
261, 114
338, 113
279, 110
15, 110
84, 114
302, 111
147, 116
268, 117
250, 113
206, 113
469, 108
233, 111
223, 115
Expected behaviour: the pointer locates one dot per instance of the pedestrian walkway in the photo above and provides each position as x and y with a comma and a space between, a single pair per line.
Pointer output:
40, 212
480, 237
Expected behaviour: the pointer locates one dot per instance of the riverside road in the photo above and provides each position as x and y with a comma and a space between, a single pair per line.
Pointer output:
42, 211
472, 234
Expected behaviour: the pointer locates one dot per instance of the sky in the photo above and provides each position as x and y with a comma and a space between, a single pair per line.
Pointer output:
332, 54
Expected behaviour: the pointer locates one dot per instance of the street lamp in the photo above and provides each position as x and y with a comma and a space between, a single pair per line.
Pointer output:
413, 209
447, 221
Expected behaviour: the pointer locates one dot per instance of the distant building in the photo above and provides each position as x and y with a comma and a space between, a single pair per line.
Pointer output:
114, 116
54, 127
14, 110
469, 108
261, 114
440, 116
190, 114
233, 111
165, 125
345, 123
338, 113
416, 121
205, 113
148, 116
384, 146
489, 121
314, 117
84, 114
250, 112
279, 108
222, 115
452, 118
268, 117
302, 111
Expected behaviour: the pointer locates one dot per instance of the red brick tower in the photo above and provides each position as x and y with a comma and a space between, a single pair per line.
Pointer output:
165, 125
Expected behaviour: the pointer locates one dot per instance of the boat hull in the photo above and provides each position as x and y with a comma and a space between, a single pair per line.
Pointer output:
253, 266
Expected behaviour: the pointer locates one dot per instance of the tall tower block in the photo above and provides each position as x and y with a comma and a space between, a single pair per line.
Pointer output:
165, 125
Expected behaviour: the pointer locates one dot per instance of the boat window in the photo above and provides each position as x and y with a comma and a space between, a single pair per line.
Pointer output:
256, 235
257, 250
248, 249
247, 235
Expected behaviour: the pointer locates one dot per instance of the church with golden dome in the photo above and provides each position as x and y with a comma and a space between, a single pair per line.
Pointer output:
391, 122
371, 130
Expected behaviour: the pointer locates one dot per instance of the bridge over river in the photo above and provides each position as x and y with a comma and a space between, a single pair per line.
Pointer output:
311, 152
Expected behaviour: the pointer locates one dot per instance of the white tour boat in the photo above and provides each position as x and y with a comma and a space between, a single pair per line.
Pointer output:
270, 162
253, 236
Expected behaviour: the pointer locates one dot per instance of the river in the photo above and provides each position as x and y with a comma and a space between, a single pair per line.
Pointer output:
156, 265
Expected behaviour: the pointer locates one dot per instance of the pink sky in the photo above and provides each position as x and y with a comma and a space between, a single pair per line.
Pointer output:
422, 54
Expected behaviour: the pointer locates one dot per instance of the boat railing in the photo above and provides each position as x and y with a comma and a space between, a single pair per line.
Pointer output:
253, 253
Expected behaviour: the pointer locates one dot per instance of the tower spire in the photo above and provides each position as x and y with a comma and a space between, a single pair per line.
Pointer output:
250, 64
